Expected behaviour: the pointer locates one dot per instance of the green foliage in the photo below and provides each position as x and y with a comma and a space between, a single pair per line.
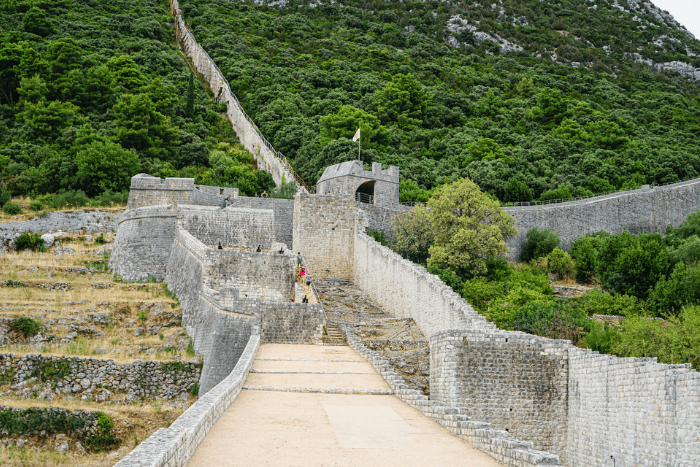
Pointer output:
43, 420
190, 350
414, 234
671, 294
379, 236
26, 326
539, 243
556, 319
687, 229
286, 190
410, 191
631, 264
687, 252
583, 251
5, 196
517, 191
601, 337
12, 209
30, 241
105, 166
36, 206
194, 389
100, 239
189, 105
54, 370
448, 277
596, 302
103, 438
560, 263
468, 227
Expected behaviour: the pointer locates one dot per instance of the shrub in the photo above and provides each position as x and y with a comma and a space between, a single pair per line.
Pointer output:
100, 239
194, 389
414, 234
26, 326
560, 263
631, 264
11, 209
448, 277
596, 302
671, 294
110, 198
601, 337
539, 243
36, 206
378, 235
73, 199
5, 196
558, 319
584, 253
103, 438
30, 241
687, 251
285, 191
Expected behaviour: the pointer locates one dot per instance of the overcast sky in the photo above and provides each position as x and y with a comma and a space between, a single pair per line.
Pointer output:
686, 12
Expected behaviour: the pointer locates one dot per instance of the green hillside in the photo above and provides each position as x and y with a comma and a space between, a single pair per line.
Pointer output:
93, 92
443, 90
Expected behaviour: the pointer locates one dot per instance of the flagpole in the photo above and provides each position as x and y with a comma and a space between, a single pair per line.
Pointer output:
359, 145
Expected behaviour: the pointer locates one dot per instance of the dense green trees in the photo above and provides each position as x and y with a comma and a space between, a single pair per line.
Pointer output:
520, 127
92, 94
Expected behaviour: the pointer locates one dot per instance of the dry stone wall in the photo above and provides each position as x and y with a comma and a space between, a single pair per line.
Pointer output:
283, 209
175, 445
234, 227
48, 377
81, 220
644, 210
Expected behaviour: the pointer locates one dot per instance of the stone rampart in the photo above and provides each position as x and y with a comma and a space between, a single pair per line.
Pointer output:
175, 445
517, 382
324, 229
407, 290
143, 242
283, 209
248, 134
148, 191
643, 210
234, 227
632, 412
379, 217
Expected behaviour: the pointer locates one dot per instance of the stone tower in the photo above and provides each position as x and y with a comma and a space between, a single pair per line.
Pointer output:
380, 187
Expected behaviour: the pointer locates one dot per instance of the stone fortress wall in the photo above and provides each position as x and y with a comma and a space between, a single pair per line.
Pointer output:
346, 178
283, 210
645, 210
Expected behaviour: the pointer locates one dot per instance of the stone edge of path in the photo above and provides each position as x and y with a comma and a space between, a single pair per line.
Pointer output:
495, 443
175, 445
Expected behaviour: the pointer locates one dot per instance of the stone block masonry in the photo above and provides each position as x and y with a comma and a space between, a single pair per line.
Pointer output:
324, 227
643, 210
143, 242
234, 227
283, 209
148, 191
379, 217
516, 382
174, 446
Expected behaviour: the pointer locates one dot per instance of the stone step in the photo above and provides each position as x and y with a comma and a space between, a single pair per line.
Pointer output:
352, 392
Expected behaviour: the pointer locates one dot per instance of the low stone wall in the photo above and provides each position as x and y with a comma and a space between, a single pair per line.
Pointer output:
150, 191
233, 227
407, 290
643, 210
283, 209
143, 243
323, 232
48, 377
87, 221
174, 446
494, 442
515, 381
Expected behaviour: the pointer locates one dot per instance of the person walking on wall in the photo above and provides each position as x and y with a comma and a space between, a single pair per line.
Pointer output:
264, 194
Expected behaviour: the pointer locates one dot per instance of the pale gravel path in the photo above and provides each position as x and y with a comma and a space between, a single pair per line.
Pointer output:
272, 428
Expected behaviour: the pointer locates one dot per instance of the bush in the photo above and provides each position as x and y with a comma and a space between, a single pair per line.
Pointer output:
539, 243
560, 263
601, 337
110, 198
12, 209
379, 236
448, 277
285, 191
5, 196
584, 253
559, 319
100, 239
26, 326
596, 302
680, 289
73, 199
102, 439
36, 206
30, 241
631, 264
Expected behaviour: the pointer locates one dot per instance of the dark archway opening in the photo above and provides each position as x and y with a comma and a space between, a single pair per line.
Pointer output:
365, 193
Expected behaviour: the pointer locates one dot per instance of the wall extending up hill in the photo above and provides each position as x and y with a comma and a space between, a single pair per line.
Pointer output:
250, 137
645, 210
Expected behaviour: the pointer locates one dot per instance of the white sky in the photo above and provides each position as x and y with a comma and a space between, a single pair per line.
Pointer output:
686, 12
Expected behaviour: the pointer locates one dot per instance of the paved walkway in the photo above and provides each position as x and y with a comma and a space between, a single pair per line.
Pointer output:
306, 405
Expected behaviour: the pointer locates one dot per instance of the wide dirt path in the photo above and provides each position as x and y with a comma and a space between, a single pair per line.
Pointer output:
306, 405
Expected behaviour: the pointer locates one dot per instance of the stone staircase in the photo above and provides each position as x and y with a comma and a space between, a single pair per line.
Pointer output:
332, 335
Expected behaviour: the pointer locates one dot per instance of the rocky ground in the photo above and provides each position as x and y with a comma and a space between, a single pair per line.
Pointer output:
73, 337
399, 340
